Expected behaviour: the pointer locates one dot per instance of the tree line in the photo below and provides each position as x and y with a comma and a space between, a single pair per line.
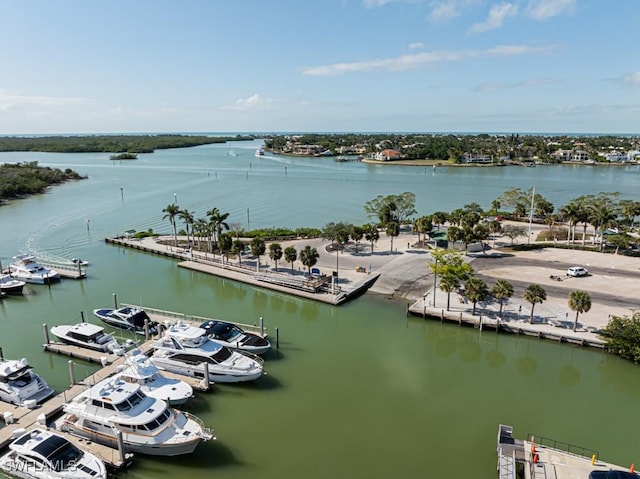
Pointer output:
19, 179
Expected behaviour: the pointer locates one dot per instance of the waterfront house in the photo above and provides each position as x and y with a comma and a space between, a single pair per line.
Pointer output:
388, 155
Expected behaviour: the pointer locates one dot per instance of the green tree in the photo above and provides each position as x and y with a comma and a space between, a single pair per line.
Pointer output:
580, 302
476, 291
392, 230
275, 252
171, 212
622, 336
423, 225
502, 290
449, 283
290, 255
619, 241
187, 217
389, 208
218, 222
371, 233
237, 248
225, 244
439, 218
534, 294
257, 249
357, 233
309, 257
513, 231
451, 268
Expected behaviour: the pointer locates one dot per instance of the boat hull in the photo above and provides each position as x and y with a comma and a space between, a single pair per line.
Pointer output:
185, 447
197, 371
16, 289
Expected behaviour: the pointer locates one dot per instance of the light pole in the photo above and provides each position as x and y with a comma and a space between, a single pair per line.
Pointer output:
435, 277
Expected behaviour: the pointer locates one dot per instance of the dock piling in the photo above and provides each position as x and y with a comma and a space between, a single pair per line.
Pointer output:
261, 326
115, 301
146, 329
121, 446
277, 338
1, 355
46, 333
72, 372
206, 376
82, 316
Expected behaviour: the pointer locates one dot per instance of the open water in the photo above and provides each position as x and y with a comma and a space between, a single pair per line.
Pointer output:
356, 391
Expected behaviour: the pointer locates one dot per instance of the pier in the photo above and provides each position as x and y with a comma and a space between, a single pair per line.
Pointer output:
538, 457
318, 288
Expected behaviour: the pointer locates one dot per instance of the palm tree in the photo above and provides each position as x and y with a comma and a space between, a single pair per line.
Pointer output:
309, 257
357, 232
257, 249
392, 230
475, 290
172, 212
218, 222
580, 302
225, 243
237, 248
201, 228
275, 252
371, 233
449, 283
439, 218
502, 290
290, 255
187, 216
571, 214
534, 294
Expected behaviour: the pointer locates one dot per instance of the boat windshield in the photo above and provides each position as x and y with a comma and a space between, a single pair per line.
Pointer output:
59, 452
226, 331
223, 354
138, 319
131, 402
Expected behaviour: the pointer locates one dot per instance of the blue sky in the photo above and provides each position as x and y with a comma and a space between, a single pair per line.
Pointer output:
77, 66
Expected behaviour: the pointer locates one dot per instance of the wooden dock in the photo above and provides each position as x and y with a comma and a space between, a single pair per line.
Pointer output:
46, 413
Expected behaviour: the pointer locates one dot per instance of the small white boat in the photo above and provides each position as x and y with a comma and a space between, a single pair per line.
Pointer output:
148, 425
89, 336
10, 285
185, 349
233, 336
25, 268
259, 152
140, 370
79, 262
20, 385
43, 454
127, 318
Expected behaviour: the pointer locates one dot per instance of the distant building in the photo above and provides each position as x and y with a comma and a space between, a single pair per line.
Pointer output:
478, 159
388, 155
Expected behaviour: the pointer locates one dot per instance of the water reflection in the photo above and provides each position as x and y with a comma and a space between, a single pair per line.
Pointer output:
569, 375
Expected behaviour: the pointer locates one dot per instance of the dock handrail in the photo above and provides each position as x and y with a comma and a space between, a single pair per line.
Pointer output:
563, 446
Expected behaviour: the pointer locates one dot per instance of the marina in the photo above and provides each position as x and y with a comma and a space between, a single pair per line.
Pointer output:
357, 384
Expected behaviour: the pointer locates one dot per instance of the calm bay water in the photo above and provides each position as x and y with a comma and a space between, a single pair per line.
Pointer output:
359, 390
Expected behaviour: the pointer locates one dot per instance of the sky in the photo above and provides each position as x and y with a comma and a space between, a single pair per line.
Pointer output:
143, 66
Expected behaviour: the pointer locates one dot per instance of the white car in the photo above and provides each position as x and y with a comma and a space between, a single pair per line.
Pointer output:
577, 271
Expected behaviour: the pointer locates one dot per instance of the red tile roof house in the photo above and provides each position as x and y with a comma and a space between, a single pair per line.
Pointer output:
387, 155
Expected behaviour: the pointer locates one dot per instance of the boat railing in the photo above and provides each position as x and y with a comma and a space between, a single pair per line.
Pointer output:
255, 357
207, 432
252, 328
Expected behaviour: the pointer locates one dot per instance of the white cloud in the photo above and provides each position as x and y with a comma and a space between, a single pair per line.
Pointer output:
632, 79
376, 3
253, 102
406, 62
496, 17
444, 10
9, 100
543, 9
416, 45
494, 87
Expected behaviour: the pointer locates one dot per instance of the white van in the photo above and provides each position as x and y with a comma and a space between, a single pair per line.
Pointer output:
577, 271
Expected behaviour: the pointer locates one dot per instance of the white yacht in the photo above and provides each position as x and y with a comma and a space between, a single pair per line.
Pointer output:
89, 336
259, 153
139, 370
233, 336
25, 268
20, 385
10, 285
185, 349
127, 318
148, 425
43, 454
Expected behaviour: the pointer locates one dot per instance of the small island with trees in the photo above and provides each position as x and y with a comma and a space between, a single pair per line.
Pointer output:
124, 156
18, 180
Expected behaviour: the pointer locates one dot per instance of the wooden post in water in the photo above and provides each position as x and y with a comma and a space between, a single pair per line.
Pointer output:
441, 315
1, 355
146, 329
82, 316
206, 376
72, 372
497, 325
277, 338
46, 333
460, 320
261, 326
115, 301
480, 323
120, 446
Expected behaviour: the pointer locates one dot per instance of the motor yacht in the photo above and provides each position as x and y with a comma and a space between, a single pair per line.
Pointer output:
89, 336
20, 385
128, 318
10, 285
185, 349
259, 153
148, 425
26, 268
44, 454
138, 369
233, 336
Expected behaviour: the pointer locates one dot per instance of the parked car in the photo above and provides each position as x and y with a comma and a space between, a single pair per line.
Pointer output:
577, 271
611, 475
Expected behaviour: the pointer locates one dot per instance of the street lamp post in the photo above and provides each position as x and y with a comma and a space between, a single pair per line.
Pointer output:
435, 277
